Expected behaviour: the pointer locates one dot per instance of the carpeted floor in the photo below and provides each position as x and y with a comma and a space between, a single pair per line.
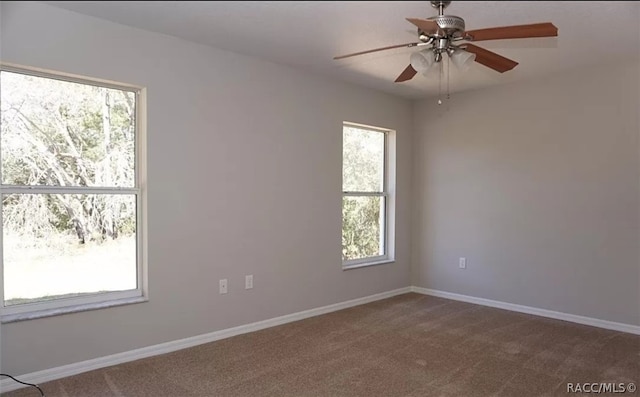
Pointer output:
409, 345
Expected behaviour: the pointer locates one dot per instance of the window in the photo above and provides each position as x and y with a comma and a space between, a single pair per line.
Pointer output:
71, 195
367, 202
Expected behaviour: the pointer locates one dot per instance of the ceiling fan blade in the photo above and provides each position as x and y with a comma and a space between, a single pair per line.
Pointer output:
406, 74
546, 29
425, 25
376, 49
490, 59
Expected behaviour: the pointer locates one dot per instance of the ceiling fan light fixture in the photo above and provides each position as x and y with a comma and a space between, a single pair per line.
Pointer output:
422, 61
462, 59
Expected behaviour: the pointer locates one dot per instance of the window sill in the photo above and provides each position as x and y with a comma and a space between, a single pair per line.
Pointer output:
367, 264
11, 318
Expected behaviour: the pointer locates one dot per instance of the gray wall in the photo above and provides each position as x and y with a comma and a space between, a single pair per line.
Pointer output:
244, 177
537, 184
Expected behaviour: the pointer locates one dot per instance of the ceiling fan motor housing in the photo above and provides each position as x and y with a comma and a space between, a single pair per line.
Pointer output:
451, 26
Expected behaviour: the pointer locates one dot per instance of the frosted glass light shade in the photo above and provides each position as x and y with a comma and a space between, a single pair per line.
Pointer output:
462, 59
422, 61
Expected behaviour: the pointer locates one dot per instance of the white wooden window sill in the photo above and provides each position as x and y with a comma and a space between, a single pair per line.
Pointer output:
367, 264
10, 318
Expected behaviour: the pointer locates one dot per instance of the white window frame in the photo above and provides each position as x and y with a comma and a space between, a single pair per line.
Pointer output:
99, 300
388, 192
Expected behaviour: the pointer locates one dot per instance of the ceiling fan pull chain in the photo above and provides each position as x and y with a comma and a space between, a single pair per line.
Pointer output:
448, 72
440, 85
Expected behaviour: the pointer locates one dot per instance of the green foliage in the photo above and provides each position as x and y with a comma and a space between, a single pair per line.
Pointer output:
360, 227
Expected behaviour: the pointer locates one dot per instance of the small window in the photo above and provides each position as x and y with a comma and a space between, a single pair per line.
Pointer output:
71, 194
366, 198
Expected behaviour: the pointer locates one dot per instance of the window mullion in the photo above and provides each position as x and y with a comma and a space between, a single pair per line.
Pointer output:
364, 194
10, 189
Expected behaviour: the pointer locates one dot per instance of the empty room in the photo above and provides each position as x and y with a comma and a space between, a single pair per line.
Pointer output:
319, 198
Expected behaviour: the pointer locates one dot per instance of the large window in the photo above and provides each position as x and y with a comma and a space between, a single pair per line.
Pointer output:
71, 194
366, 197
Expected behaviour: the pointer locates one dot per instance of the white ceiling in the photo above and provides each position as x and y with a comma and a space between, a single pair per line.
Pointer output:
308, 34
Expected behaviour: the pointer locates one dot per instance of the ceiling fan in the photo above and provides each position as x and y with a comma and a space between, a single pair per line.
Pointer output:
441, 33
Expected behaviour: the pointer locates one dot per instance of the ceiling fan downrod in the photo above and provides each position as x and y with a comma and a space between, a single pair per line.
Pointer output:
440, 5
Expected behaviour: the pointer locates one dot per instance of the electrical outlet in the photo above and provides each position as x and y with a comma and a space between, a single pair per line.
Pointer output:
223, 286
462, 263
248, 281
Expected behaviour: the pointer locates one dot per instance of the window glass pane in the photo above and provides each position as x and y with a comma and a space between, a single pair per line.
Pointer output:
65, 134
362, 227
65, 245
362, 160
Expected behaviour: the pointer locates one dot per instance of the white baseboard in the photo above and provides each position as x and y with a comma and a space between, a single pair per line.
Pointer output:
632, 329
101, 362
114, 359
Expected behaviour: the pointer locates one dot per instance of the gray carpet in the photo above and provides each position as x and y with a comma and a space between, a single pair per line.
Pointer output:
410, 345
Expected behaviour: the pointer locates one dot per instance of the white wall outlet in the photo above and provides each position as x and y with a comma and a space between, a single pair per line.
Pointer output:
248, 281
223, 286
462, 263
